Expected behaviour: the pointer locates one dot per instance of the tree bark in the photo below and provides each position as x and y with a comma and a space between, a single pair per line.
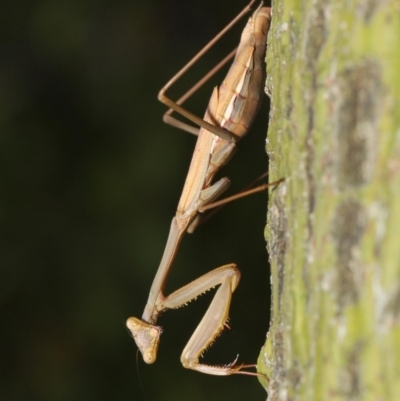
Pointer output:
332, 232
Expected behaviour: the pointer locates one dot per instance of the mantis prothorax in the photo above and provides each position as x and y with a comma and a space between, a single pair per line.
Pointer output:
229, 115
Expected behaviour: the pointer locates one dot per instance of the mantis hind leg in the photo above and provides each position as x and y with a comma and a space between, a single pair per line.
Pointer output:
175, 106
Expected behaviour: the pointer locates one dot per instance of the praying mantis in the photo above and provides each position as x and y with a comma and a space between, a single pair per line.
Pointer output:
230, 113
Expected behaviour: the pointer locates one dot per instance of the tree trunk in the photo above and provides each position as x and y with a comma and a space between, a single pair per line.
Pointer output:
333, 224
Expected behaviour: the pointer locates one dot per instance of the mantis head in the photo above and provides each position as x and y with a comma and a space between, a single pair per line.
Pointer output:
146, 336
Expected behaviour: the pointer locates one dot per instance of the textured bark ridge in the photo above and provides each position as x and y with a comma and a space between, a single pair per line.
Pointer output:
333, 225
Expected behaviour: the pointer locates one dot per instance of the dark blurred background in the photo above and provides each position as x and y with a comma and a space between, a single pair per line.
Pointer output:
90, 179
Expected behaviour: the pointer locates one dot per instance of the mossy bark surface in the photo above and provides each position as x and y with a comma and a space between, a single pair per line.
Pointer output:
333, 225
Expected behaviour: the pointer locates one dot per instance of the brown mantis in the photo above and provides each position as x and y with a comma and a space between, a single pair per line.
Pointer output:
230, 113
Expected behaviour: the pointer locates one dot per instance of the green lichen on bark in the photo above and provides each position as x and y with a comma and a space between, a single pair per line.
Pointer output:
332, 233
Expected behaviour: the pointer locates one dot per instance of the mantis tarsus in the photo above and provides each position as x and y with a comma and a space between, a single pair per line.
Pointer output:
229, 115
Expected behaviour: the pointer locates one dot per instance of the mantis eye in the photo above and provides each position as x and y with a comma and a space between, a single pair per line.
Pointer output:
149, 357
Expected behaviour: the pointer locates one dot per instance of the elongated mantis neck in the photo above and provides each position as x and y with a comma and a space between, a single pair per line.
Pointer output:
156, 295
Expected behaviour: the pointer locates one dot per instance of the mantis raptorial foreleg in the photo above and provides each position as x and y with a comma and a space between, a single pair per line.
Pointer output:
147, 335
229, 115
